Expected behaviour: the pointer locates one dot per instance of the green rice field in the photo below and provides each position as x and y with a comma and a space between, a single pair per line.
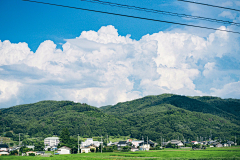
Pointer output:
231, 153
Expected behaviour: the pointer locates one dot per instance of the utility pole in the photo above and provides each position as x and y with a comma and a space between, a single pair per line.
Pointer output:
107, 139
19, 143
161, 141
147, 142
78, 143
101, 144
235, 139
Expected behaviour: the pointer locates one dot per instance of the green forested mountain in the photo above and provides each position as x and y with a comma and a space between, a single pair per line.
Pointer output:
50, 117
166, 115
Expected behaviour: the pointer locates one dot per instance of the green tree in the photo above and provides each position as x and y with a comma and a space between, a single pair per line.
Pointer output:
65, 136
9, 134
39, 146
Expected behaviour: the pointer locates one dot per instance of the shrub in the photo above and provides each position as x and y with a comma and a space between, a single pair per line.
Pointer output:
31, 154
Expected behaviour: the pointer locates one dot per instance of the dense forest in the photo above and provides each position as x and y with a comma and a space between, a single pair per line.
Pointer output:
167, 115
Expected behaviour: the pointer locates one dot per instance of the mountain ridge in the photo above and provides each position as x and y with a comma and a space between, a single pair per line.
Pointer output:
165, 115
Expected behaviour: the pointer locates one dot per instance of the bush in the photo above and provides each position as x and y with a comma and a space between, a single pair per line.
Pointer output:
15, 152
31, 154
9, 134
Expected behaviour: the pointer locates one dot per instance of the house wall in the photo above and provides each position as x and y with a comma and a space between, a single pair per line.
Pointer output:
64, 151
3, 149
51, 141
85, 150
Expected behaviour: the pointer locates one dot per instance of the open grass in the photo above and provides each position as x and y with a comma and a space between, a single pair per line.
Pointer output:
232, 153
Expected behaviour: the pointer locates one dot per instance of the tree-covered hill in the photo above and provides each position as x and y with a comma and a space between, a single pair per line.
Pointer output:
167, 115
176, 116
50, 117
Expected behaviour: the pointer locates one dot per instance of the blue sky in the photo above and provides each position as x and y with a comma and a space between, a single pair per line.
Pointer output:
56, 53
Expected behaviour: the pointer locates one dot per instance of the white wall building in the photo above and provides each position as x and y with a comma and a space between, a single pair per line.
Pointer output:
85, 150
64, 150
144, 147
51, 141
136, 143
89, 142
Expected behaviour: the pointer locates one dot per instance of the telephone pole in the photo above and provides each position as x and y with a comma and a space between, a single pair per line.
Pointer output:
161, 141
101, 144
147, 142
19, 143
107, 139
78, 143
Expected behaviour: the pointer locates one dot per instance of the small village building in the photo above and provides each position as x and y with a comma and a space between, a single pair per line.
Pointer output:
122, 143
64, 150
89, 142
145, 147
219, 145
112, 143
4, 149
194, 142
225, 145
176, 142
85, 150
133, 149
136, 143
51, 142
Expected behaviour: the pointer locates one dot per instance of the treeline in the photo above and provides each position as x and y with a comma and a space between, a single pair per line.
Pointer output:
167, 116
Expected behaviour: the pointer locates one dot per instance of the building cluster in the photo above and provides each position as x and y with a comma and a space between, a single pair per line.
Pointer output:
90, 145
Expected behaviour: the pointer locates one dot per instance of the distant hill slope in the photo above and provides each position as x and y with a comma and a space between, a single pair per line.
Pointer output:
167, 115
227, 108
50, 117
177, 116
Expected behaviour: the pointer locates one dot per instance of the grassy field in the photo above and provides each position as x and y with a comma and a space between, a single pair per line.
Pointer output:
232, 153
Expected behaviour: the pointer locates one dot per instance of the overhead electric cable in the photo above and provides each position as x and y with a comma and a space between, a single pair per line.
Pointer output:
210, 5
123, 15
160, 12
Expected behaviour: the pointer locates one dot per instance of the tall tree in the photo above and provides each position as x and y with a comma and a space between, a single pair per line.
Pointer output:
65, 136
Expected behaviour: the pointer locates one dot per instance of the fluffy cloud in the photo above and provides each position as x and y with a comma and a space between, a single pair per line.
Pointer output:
13, 53
228, 14
101, 68
230, 90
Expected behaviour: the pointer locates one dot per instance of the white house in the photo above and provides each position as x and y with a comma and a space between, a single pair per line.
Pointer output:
176, 142
136, 143
64, 150
112, 143
89, 142
122, 143
4, 149
51, 141
85, 150
194, 142
144, 147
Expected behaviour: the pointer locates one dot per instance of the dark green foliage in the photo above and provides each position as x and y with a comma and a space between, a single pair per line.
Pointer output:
24, 149
166, 115
196, 146
9, 134
126, 148
31, 154
14, 152
65, 136
39, 146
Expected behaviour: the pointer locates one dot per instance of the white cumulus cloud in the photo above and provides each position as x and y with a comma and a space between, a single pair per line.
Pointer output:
101, 67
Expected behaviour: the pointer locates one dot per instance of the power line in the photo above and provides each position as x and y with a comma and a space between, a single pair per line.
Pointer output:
123, 15
210, 5
160, 12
